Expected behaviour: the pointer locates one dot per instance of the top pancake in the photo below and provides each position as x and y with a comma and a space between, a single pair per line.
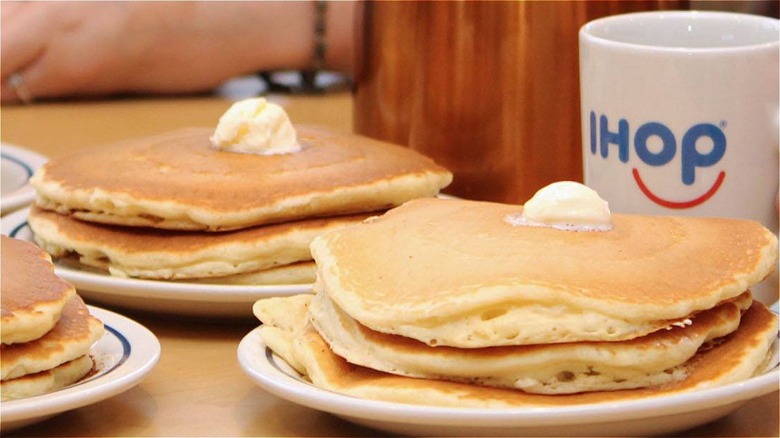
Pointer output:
177, 181
453, 272
32, 295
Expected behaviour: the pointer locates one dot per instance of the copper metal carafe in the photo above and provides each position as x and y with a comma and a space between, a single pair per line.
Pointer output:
489, 89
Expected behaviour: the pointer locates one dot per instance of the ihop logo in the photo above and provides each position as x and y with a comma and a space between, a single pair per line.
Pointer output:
608, 140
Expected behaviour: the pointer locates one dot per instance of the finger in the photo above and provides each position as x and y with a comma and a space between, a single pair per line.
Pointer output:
16, 90
8, 95
23, 36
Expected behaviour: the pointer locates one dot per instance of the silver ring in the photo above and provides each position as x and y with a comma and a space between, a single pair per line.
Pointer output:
16, 83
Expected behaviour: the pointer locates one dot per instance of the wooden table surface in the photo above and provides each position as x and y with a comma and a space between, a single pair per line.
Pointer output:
197, 388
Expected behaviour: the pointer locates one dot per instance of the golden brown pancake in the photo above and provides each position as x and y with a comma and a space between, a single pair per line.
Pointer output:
296, 273
287, 313
47, 381
177, 181
283, 319
655, 359
737, 358
456, 273
164, 254
71, 337
32, 295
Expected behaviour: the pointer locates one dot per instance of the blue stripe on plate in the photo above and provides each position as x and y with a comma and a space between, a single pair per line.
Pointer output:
126, 347
21, 163
17, 229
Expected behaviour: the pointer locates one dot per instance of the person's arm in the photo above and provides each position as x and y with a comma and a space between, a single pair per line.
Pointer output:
62, 49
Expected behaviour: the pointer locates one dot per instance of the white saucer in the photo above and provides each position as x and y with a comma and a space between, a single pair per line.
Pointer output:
18, 165
641, 417
125, 354
177, 298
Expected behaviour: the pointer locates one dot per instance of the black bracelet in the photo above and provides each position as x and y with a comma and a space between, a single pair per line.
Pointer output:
320, 45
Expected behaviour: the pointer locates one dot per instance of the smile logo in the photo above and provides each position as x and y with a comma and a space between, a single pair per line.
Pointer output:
691, 157
679, 205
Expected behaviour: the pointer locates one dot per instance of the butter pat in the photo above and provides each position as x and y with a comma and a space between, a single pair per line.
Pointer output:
565, 205
255, 126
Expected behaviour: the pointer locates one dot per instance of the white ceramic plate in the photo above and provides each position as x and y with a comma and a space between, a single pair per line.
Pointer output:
642, 417
178, 298
125, 354
18, 165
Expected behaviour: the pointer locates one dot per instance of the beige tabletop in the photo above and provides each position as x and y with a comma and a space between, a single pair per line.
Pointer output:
198, 388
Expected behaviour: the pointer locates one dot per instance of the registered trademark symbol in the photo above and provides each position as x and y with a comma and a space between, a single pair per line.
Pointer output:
723, 124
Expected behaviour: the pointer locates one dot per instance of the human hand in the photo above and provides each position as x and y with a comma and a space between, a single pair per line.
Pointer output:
65, 49
60, 48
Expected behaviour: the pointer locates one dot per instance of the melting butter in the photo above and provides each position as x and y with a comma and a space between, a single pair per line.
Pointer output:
255, 126
565, 205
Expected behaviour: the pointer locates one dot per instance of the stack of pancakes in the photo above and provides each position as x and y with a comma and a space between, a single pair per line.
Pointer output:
47, 331
446, 302
171, 207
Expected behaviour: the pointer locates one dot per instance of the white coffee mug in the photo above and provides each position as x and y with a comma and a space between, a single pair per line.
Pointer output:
680, 113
